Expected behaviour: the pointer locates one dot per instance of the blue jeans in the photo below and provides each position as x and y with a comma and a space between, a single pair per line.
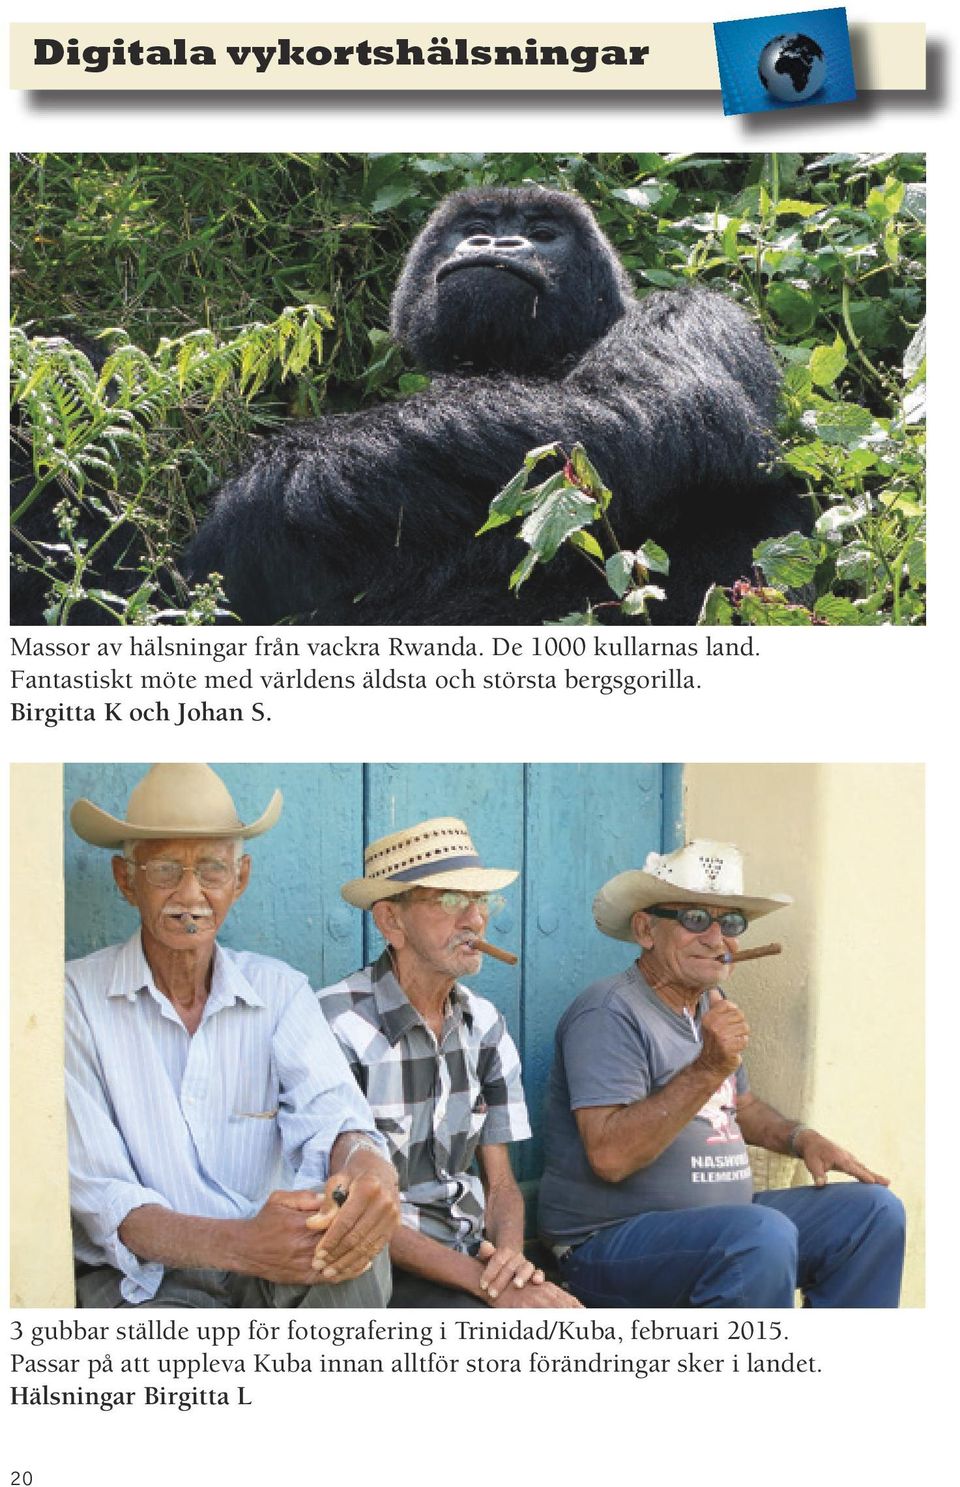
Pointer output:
841, 1245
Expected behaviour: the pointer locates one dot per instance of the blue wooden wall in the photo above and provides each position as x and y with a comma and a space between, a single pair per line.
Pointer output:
567, 827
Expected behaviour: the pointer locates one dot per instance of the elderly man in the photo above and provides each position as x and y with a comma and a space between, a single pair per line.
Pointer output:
440, 1071
647, 1195
199, 1078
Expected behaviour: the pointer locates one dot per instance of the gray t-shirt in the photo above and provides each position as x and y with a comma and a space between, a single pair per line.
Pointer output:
617, 1043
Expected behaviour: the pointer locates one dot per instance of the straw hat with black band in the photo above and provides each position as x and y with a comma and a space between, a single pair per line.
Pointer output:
438, 853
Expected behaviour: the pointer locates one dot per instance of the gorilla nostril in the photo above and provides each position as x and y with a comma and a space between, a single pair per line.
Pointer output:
475, 243
511, 245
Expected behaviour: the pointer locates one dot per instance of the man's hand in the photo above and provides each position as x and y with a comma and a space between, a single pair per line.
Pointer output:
356, 1232
276, 1243
544, 1295
725, 1033
821, 1156
505, 1267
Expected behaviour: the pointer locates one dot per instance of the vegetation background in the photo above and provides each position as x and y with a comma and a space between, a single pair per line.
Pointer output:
228, 293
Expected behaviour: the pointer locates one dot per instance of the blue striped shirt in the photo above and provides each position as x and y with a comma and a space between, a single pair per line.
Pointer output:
206, 1125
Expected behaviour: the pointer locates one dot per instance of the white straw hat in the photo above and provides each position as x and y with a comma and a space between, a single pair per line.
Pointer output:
699, 873
433, 854
172, 800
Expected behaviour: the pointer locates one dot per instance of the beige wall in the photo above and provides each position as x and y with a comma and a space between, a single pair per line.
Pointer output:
838, 1018
40, 1255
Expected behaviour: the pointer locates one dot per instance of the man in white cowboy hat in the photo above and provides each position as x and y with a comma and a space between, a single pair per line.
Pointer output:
647, 1196
220, 1152
440, 1071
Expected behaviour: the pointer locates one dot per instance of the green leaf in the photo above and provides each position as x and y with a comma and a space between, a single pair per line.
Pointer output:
636, 601
412, 382
885, 201
915, 558
855, 562
587, 618
827, 362
838, 519
729, 241
846, 424
795, 309
543, 452
837, 611
619, 571
587, 474
391, 196
555, 517
523, 570
514, 500
915, 356
586, 542
653, 558
756, 611
645, 197
716, 609
661, 278
791, 560
797, 381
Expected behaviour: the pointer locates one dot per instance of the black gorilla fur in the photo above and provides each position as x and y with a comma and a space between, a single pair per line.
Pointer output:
518, 303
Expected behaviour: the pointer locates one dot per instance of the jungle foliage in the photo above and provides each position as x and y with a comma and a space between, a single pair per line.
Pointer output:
167, 308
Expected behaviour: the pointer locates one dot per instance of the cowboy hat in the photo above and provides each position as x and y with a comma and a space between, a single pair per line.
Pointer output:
172, 800
433, 854
699, 873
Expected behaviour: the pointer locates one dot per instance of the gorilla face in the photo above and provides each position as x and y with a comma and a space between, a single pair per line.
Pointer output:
507, 280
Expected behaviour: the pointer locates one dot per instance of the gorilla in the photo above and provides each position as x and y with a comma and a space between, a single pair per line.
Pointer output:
517, 303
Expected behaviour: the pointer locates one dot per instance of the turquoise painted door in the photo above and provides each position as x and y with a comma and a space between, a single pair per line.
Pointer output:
566, 827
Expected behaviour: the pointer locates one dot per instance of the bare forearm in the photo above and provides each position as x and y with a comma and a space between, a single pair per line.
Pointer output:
623, 1140
423, 1256
503, 1216
761, 1125
181, 1240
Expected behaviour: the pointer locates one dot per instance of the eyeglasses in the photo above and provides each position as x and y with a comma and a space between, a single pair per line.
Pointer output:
162, 873
696, 920
455, 903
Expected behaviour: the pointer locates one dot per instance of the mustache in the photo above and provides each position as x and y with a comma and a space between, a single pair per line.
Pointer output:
188, 917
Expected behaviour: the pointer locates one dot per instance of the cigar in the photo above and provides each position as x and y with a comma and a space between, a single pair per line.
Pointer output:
729, 958
507, 956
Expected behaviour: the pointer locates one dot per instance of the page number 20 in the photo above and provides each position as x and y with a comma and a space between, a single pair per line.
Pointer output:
21, 1479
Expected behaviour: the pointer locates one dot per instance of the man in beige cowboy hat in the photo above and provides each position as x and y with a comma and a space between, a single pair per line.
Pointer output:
220, 1153
440, 1071
647, 1196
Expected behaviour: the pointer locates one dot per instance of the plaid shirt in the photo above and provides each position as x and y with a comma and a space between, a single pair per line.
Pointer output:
435, 1102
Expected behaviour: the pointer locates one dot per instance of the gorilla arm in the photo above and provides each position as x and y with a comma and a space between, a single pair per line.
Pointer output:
673, 405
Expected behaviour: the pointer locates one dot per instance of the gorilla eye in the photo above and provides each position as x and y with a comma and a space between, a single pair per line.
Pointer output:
477, 229
543, 234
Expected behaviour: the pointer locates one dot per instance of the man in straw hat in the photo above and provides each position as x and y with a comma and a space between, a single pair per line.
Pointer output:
220, 1152
647, 1196
440, 1071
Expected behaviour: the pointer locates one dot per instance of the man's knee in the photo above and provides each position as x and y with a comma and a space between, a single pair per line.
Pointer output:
871, 1204
769, 1235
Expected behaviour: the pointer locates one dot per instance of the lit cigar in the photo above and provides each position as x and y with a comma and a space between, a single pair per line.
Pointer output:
755, 954
507, 956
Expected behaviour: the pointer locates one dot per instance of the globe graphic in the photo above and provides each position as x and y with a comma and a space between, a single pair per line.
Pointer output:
792, 68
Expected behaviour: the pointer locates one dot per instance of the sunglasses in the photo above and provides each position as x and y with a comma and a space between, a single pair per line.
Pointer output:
696, 920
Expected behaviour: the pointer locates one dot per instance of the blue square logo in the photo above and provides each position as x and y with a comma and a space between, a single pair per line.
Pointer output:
779, 62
